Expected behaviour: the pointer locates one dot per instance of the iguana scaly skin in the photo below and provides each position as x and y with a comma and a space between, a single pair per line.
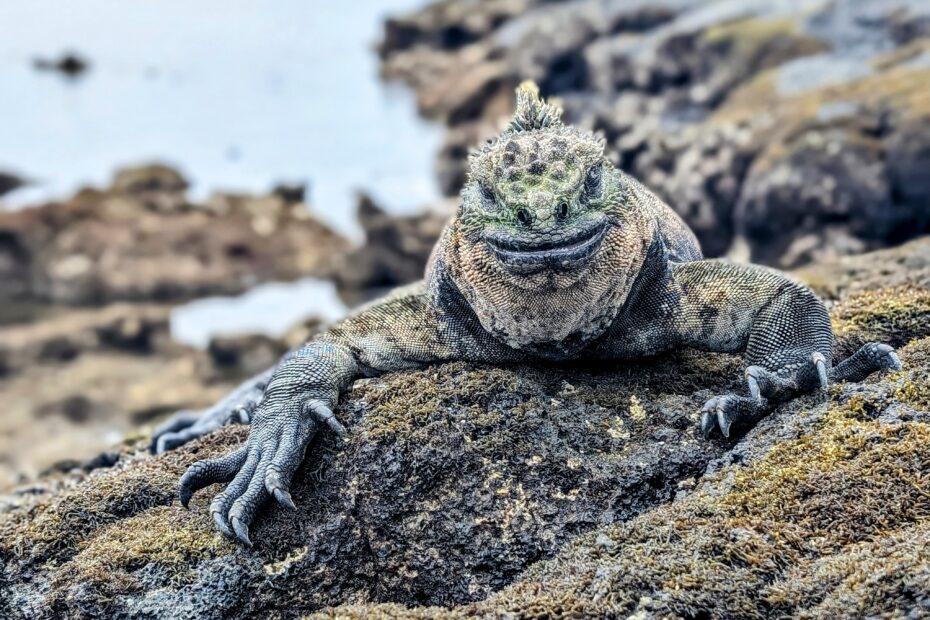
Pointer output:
553, 255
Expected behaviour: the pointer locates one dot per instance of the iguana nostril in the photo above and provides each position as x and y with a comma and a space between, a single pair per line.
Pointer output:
561, 211
523, 216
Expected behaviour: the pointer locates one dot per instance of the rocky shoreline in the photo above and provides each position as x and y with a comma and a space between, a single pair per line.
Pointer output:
89, 284
793, 133
141, 239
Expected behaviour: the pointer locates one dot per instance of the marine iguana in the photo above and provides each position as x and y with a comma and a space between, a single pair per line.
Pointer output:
553, 254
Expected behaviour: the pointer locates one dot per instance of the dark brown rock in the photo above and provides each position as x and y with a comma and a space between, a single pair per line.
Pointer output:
395, 250
69, 64
10, 182
779, 134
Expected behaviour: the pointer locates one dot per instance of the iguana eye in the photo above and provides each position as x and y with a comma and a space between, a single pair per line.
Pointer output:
592, 182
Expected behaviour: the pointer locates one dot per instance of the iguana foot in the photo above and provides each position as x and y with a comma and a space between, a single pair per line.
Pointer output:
868, 359
187, 425
298, 400
785, 375
236, 408
800, 373
794, 372
261, 469
730, 413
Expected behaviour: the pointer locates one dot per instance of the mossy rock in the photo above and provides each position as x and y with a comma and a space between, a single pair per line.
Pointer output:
535, 490
828, 520
454, 480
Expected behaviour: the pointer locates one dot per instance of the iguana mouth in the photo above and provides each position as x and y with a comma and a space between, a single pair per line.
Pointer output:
566, 253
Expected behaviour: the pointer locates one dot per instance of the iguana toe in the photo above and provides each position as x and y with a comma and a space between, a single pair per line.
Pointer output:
210, 471
730, 412
242, 531
220, 520
868, 359
173, 425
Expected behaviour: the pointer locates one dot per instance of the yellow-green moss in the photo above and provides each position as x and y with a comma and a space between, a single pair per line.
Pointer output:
53, 529
892, 315
402, 401
896, 564
169, 536
848, 482
56, 527
400, 404
778, 486
912, 383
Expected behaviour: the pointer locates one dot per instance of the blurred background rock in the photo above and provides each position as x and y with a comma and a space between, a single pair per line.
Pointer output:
783, 132
791, 133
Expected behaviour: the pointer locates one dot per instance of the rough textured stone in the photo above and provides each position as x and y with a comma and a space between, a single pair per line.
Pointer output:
530, 490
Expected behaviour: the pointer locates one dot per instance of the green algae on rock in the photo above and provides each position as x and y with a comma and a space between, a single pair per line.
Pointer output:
455, 479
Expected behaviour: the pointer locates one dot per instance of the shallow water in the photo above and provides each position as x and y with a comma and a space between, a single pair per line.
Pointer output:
267, 309
238, 94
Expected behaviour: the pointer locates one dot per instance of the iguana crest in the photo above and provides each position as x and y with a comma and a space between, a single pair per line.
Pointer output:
532, 112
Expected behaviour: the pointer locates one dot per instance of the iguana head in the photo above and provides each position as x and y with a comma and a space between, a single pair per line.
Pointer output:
546, 228
541, 197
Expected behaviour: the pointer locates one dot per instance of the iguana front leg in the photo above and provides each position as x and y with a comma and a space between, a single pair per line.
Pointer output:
297, 402
402, 331
780, 324
236, 408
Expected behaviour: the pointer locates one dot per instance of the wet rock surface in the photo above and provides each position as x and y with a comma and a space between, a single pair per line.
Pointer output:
465, 490
783, 132
111, 245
